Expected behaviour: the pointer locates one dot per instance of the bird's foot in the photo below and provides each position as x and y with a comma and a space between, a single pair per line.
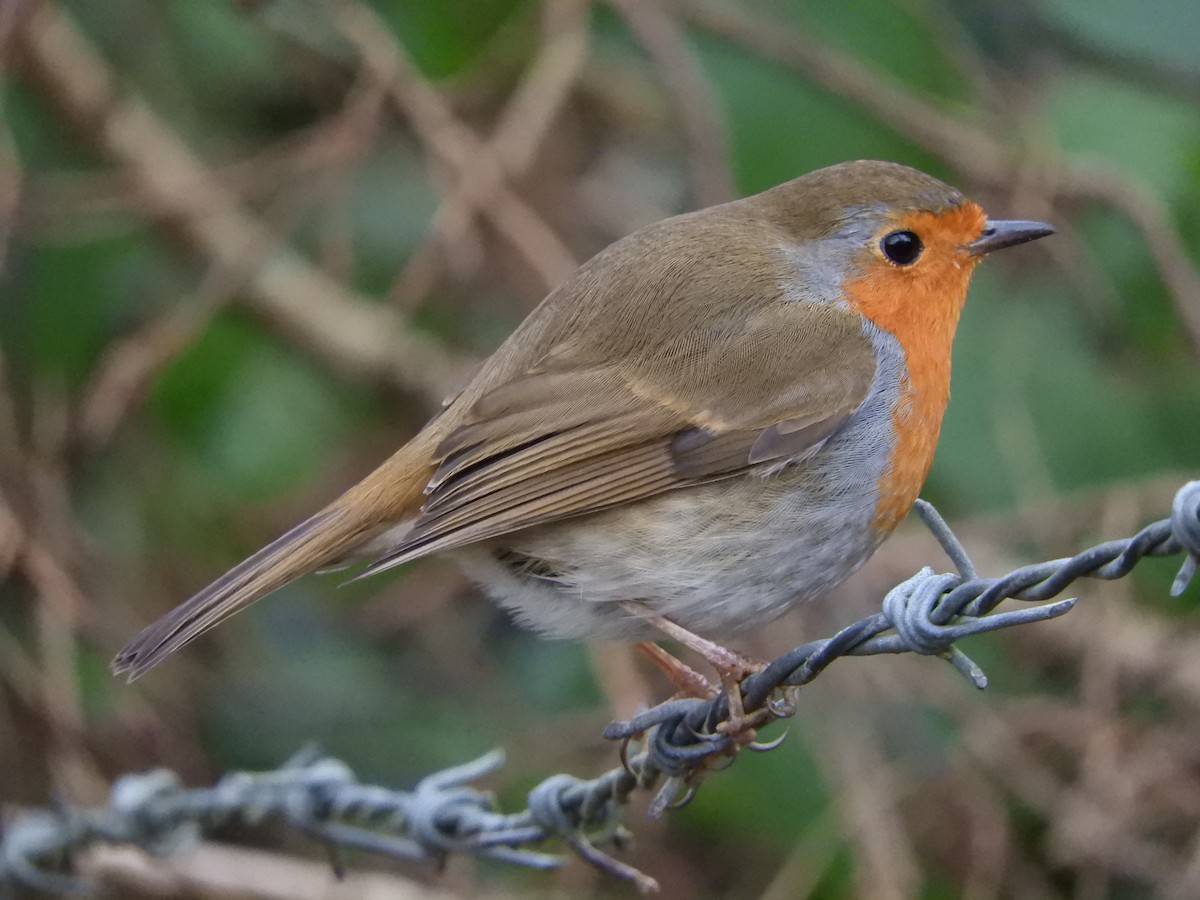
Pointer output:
731, 668
688, 682
741, 726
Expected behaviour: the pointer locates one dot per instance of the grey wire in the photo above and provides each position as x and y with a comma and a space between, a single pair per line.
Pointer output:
681, 742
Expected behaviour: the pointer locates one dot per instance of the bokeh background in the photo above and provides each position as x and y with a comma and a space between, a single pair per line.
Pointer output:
245, 247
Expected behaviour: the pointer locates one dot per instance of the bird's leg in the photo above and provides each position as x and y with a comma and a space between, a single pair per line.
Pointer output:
689, 682
724, 660
731, 667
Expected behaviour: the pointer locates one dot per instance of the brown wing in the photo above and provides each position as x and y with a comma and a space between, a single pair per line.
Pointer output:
563, 441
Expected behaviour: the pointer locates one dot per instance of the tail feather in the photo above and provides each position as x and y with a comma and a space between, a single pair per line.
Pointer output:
322, 541
313, 542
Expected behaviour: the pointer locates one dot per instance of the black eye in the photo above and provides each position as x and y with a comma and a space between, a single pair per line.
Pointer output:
901, 247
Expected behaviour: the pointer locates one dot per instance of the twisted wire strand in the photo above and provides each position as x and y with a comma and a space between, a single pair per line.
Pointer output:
682, 741
925, 614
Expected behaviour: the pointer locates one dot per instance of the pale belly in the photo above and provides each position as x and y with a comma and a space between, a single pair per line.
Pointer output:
716, 558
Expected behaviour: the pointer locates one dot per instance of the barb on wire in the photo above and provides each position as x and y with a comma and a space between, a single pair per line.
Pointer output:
926, 614
682, 741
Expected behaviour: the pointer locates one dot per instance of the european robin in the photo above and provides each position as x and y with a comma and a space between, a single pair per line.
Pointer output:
716, 418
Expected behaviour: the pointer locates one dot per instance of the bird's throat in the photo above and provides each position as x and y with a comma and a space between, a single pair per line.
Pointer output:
922, 317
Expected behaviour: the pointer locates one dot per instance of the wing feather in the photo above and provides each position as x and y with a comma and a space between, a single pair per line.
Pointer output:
456, 481
712, 402
642, 477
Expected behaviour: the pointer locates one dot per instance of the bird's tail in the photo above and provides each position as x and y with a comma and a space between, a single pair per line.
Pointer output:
318, 542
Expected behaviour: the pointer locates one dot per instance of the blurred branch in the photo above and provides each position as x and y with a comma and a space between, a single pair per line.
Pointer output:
684, 739
662, 36
10, 190
41, 546
1147, 214
545, 86
965, 146
1069, 43
130, 364
480, 175
524, 124
39, 542
319, 314
868, 789
12, 532
10, 163
213, 870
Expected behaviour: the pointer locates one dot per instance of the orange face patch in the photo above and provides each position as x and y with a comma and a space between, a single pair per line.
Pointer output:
920, 305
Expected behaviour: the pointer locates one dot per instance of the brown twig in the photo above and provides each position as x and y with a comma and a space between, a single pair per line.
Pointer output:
970, 148
38, 543
479, 174
523, 126
660, 33
1098, 184
1112, 788
10, 163
544, 87
71, 199
868, 792
129, 365
1146, 70
214, 870
317, 313
10, 191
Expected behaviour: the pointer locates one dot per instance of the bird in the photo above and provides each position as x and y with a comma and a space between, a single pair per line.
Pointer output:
715, 418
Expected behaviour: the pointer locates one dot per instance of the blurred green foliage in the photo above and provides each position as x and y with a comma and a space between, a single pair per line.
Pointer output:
1074, 373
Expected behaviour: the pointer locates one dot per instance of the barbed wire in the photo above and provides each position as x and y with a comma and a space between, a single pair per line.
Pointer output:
681, 740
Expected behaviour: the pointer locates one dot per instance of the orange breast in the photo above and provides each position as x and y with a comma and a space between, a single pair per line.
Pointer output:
920, 306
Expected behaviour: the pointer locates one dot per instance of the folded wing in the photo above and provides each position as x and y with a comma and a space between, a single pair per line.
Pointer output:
567, 439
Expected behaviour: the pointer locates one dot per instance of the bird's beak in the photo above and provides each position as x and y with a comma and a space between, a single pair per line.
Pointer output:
1000, 234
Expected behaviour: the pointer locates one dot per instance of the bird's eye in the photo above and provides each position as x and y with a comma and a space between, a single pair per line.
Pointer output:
901, 247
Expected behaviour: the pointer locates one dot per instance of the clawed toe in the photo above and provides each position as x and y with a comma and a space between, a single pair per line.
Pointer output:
731, 667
